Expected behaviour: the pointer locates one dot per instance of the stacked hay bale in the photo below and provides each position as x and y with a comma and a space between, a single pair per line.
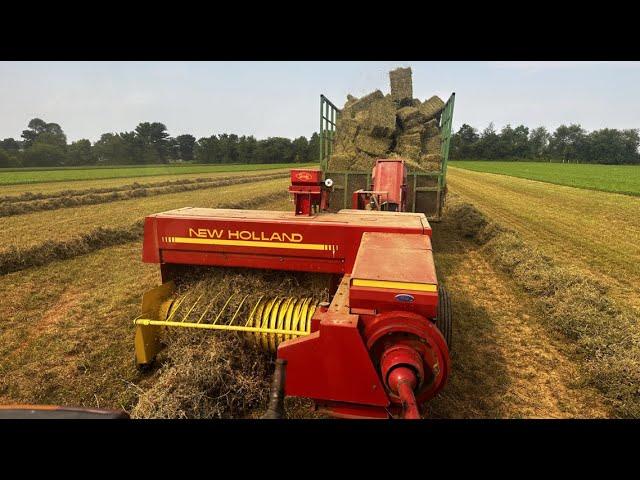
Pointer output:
386, 126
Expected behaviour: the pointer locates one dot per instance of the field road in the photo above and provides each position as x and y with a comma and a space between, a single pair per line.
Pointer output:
595, 231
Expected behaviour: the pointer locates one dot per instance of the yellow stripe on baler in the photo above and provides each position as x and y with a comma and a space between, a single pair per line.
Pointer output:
420, 287
249, 243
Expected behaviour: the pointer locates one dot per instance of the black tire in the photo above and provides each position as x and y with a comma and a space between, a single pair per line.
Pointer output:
443, 320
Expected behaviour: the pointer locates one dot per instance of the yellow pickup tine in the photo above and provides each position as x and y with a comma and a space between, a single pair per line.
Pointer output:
224, 307
237, 310
191, 309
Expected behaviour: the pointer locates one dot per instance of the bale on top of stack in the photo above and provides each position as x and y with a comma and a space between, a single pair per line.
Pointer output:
386, 126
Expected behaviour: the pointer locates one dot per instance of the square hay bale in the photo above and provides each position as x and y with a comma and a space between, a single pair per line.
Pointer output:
431, 161
364, 103
409, 145
432, 107
410, 118
340, 162
346, 131
381, 120
364, 162
372, 145
401, 85
413, 166
431, 128
433, 145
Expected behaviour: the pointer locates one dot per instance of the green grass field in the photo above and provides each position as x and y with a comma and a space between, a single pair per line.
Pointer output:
607, 178
16, 177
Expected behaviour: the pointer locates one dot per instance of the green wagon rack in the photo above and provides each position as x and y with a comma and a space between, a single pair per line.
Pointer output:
426, 190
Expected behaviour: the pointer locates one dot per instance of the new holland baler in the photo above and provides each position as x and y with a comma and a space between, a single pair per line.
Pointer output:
377, 347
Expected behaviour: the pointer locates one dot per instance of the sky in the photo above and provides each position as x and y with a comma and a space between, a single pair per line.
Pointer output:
282, 98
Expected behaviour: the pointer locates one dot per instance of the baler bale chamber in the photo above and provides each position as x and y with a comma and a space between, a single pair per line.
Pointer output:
426, 191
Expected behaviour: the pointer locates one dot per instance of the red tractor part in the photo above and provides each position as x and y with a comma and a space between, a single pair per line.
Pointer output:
310, 194
389, 188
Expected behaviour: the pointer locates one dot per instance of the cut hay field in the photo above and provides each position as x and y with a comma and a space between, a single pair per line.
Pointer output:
596, 231
607, 178
56, 188
66, 174
59, 225
66, 331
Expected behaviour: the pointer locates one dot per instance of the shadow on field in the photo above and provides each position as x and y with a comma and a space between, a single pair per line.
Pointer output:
478, 381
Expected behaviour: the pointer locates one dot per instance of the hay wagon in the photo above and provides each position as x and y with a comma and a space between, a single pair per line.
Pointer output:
426, 190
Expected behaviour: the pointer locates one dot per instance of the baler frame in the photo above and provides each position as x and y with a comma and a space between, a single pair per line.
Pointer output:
420, 186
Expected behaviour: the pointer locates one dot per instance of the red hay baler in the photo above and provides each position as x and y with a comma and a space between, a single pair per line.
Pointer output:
377, 347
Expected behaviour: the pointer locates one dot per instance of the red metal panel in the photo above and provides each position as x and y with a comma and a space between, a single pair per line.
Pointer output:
391, 176
274, 262
150, 247
306, 176
333, 364
400, 258
292, 240
424, 303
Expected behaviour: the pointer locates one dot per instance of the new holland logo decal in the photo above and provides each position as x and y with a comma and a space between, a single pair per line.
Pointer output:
248, 238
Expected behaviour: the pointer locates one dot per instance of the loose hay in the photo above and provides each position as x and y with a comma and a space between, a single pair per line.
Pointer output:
221, 374
606, 336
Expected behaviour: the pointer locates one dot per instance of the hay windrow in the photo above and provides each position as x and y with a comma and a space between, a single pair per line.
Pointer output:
606, 335
221, 374
15, 259
29, 196
76, 199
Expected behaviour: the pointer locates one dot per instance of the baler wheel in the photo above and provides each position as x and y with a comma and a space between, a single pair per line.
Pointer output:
443, 320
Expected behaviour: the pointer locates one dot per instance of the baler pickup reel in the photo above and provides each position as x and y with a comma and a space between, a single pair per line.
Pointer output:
378, 348
267, 321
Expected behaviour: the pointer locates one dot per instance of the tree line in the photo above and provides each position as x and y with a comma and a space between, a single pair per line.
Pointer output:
571, 144
45, 144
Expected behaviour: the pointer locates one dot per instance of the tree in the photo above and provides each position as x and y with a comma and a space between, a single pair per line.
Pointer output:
43, 132
520, 147
153, 141
538, 142
5, 159
118, 149
300, 146
206, 150
612, 146
488, 145
80, 153
185, 144
247, 149
567, 142
464, 143
9, 145
313, 148
43, 155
